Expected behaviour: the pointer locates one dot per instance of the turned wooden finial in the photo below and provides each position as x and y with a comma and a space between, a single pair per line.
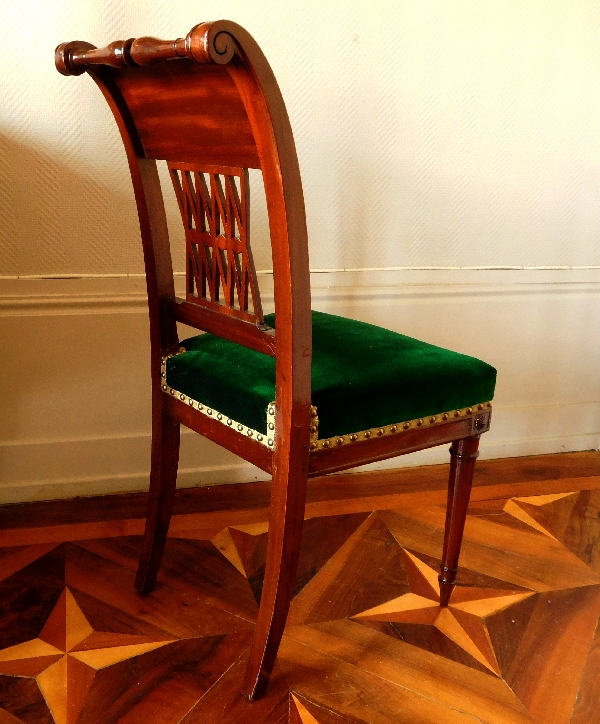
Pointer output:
205, 43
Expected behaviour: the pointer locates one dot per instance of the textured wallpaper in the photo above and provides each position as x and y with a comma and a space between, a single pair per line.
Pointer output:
430, 132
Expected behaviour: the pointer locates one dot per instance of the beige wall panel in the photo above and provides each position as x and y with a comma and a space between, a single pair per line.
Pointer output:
446, 137
76, 392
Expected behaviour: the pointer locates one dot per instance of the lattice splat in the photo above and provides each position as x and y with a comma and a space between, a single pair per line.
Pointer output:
214, 204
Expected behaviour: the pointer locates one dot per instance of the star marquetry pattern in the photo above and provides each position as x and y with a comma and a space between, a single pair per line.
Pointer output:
529, 510
304, 716
366, 637
66, 655
463, 622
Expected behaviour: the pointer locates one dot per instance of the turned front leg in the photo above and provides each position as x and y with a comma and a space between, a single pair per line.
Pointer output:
463, 455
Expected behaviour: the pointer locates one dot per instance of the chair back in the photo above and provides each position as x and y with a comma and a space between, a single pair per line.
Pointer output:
209, 105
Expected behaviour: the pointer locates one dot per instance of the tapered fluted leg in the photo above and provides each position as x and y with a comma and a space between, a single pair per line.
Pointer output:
463, 455
163, 478
288, 497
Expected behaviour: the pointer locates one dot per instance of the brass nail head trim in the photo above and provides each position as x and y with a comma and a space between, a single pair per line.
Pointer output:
209, 411
393, 429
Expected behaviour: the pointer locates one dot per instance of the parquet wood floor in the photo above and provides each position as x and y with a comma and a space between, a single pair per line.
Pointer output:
366, 642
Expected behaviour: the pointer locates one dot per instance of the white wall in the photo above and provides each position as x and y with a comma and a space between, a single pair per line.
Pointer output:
439, 139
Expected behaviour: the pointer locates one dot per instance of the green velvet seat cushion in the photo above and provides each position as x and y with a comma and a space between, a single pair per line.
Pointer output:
363, 376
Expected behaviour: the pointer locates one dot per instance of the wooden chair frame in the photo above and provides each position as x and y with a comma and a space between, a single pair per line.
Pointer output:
295, 456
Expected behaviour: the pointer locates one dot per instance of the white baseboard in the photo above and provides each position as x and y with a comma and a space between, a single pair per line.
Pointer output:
76, 399
120, 464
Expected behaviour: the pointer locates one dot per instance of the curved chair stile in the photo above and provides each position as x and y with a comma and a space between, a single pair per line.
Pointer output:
209, 105
272, 132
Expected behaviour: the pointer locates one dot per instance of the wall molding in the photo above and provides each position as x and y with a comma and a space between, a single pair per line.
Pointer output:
99, 294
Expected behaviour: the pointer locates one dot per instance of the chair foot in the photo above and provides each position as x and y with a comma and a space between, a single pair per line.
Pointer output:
288, 498
462, 467
163, 478
446, 588
253, 691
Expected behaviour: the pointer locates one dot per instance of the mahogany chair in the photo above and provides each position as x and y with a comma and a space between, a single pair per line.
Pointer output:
209, 105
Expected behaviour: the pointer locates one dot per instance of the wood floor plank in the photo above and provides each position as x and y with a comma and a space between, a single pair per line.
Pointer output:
68, 532
588, 697
207, 523
369, 644
6, 718
224, 704
454, 686
212, 576
84, 518
23, 699
321, 714
28, 667
376, 575
166, 610
44, 580
304, 716
17, 559
119, 688
576, 523
506, 629
529, 559
355, 692
428, 638
167, 703
549, 664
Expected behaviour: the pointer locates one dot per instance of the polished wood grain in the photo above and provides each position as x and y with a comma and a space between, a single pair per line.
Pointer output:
588, 696
336, 459
229, 328
214, 203
163, 479
367, 641
463, 455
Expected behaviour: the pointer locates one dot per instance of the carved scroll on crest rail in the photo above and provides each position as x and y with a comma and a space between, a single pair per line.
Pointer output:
214, 205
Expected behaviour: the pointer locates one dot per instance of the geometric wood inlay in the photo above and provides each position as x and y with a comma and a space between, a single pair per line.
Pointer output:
215, 209
366, 643
305, 716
